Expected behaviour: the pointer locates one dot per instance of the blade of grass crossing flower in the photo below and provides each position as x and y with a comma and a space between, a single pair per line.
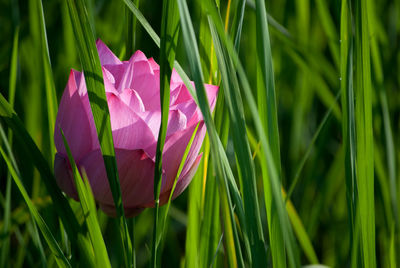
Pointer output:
98, 102
169, 39
51, 98
89, 210
194, 62
364, 136
61, 205
130, 31
183, 160
186, 80
146, 25
51, 241
243, 154
272, 172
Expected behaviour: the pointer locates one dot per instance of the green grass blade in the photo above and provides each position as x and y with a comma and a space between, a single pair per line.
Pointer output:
164, 217
61, 205
146, 25
243, 153
89, 211
364, 136
98, 102
169, 39
268, 114
51, 98
194, 62
7, 206
272, 172
348, 124
379, 82
52, 243
130, 42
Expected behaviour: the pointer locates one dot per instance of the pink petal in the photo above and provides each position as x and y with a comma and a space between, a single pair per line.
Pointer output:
136, 174
187, 177
63, 174
176, 122
125, 80
147, 84
180, 94
175, 78
129, 212
109, 81
131, 98
73, 120
129, 130
105, 54
212, 92
190, 110
154, 65
174, 148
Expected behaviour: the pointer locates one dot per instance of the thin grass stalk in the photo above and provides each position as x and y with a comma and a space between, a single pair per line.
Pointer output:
243, 154
193, 56
98, 102
272, 172
51, 98
364, 135
169, 39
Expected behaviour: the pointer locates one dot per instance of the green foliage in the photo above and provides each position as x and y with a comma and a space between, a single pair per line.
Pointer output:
277, 128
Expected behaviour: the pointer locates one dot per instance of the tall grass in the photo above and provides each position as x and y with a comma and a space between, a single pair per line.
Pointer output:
290, 174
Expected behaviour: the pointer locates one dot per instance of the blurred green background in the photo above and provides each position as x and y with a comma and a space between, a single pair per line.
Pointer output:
305, 45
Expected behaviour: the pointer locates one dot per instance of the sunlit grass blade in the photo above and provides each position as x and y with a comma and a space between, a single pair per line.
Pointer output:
268, 115
348, 124
61, 205
295, 219
243, 154
183, 160
130, 42
382, 92
98, 102
210, 229
51, 98
89, 210
146, 25
169, 39
51, 241
194, 62
237, 24
364, 135
272, 172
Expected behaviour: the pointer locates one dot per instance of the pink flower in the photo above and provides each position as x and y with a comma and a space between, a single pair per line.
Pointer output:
133, 96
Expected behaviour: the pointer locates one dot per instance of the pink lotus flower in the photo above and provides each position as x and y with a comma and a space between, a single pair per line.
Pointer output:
133, 96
